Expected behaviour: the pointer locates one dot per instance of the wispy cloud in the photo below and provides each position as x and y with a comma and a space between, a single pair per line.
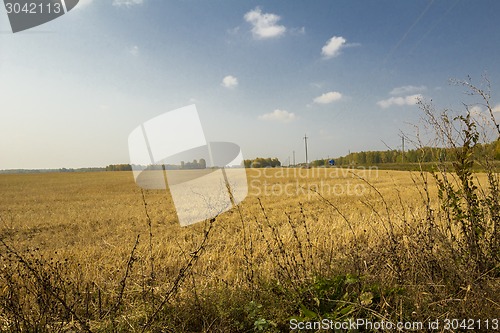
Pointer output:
328, 97
482, 116
317, 85
264, 25
230, 82
233, 31
134, 50
399, 101
405, 90
475, 110
298, 31
279, 115
127, 3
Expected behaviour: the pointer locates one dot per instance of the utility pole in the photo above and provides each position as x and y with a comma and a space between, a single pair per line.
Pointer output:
403, 147
294, 158
307, 160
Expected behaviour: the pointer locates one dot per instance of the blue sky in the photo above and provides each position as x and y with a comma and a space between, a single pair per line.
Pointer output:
261, 73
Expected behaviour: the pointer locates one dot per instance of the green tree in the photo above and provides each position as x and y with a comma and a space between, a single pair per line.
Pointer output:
202, 164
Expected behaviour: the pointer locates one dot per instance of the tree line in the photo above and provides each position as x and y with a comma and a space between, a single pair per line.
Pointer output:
420, 155
195, 164
260, 162
201, 164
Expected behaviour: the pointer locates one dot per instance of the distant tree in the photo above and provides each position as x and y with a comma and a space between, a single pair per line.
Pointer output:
202, 164
119, 167
275, 162
496, 147
260, 162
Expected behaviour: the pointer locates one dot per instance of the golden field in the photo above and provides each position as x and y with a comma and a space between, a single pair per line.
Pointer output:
257, 264
94, 218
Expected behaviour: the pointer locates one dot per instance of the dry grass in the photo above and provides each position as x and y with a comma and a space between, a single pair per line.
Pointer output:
264, 261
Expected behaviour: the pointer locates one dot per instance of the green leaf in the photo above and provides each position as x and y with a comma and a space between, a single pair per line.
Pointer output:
260, 324
307, 313
350, 279
346, 310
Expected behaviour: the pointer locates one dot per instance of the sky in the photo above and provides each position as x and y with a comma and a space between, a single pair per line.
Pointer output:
262, 74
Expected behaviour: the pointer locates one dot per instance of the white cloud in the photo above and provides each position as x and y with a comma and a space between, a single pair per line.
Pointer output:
476, 110
134, 50
298, 31
405, 90
127, 3
400, 101
229, 81
233, 31
496, 108
279, 115
264, 25
328, 97
333, 46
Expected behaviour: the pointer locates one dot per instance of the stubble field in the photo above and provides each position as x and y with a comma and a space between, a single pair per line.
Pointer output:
94, 252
